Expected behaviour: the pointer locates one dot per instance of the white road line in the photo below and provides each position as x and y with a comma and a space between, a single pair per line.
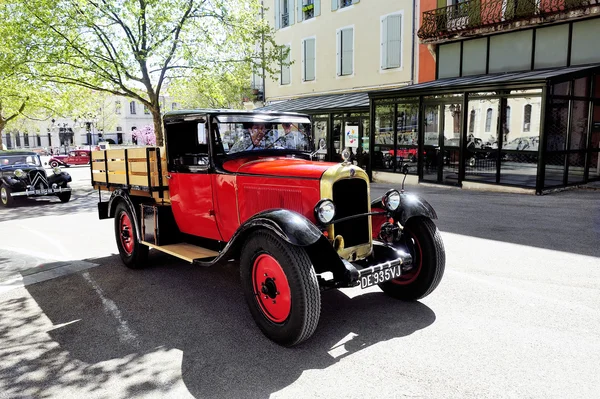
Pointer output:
126, 335
44, 256
63, 251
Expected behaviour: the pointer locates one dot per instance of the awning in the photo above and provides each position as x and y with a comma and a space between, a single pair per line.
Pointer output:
490, 81
323, 103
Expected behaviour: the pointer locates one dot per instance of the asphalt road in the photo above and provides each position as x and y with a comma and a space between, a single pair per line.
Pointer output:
516, 314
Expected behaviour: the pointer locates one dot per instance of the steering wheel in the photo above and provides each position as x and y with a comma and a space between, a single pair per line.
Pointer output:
275, 142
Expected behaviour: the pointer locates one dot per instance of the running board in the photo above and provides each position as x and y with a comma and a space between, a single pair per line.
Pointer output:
187, 252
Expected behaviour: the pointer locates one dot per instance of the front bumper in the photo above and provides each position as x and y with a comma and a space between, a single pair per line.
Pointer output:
41, 192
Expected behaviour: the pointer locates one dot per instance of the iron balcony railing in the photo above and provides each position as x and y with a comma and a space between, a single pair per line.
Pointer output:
285, 20
473, 14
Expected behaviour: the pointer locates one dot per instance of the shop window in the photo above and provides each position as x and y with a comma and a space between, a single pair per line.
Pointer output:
507, 125
472, 121
345, 51
383, 147
391, 41
581, 87
579, 125
557, 125
527, 118
488, 120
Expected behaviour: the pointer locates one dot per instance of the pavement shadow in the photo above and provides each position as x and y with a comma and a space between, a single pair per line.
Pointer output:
566, 221
202, 312
81, 201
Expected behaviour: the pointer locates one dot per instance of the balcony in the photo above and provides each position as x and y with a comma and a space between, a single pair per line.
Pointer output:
471, 16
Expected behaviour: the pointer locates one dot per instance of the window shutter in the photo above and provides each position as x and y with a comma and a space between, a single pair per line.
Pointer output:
277, 15
335, 4
384, 38
291, 11
309, 59
394, 41
347, 51
285, 68
317, 7
339, 51
300, 13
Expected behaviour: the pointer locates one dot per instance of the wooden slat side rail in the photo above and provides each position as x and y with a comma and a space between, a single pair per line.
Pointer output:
184, 251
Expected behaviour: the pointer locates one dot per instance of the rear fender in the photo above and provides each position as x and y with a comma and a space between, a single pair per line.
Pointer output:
123, 196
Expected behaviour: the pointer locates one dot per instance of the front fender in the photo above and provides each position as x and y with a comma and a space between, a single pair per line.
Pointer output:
63, 177
410, 205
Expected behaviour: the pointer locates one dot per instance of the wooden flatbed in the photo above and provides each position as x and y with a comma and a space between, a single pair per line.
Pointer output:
140, 170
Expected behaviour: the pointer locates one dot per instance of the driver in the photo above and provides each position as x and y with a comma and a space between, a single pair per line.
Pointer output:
255, 142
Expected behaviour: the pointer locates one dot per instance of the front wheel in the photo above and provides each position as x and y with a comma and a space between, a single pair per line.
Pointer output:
423, 241
281, 288
133, 253
5, 198
64, 197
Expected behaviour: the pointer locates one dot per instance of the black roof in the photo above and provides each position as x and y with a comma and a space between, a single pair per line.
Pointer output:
213, 111
16, 152
491, 81
322, 103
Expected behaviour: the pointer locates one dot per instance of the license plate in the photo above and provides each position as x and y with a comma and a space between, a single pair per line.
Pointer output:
380, 276
39, 192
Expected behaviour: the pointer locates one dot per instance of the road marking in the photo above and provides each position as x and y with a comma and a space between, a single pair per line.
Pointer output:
126, 335
63, 251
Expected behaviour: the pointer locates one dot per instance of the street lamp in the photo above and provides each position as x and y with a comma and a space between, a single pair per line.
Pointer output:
88, 120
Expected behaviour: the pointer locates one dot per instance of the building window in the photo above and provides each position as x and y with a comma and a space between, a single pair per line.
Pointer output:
26, 139
335, 4
118, 107
308, 8
284, 17
132, 108
173, 106
146, 110
119, 129
345, 54
391, 41
309, 59
472, 121
527, 118
285, 78
488, 120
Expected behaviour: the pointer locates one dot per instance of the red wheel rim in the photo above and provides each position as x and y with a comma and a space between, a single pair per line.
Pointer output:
271, 288
417, 254
126, 233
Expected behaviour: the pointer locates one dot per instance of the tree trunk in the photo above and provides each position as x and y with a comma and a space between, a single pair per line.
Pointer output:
158, 125
2, 126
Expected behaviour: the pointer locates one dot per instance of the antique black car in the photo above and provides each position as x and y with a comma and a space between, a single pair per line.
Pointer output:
22, 176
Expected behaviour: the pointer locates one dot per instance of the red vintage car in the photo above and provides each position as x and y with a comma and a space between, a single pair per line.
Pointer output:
244, 186
75, 157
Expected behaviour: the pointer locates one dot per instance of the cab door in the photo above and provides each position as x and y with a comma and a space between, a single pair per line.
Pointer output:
190, 182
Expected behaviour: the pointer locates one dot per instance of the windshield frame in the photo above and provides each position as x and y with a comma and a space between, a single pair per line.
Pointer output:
36, 158
218, 120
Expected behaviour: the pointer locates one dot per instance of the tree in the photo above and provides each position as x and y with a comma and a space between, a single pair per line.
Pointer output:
133, 48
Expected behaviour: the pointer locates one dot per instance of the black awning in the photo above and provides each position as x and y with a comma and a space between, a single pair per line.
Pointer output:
490, 81
323, 103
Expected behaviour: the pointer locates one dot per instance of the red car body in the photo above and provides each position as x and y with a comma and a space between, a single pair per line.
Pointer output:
76, 157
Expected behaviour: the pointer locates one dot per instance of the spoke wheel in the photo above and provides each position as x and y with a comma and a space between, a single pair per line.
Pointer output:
5, 198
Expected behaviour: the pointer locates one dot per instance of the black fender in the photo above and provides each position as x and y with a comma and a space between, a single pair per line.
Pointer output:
411, 205
61, 178
11, 183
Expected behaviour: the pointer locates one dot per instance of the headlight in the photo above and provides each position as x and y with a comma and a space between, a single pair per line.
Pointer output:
56, 170
19, 173
391, 200
325, 211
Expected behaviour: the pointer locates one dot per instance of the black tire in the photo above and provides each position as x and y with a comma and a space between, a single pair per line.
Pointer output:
53, 164
5, 198
135, 256
302, 286
64, 197
424, 242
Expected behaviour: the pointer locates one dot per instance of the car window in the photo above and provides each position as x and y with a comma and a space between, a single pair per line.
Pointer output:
252, 136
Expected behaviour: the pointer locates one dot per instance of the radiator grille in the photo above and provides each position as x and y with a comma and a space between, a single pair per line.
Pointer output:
37, 179
351, 197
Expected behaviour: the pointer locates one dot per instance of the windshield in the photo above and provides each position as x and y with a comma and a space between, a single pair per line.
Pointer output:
251, 133
12, 160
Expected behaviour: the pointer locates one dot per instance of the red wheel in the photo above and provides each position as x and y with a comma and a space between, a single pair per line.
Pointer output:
424, 242
414, 248
281, 288
126, 230
271, 288
133, 253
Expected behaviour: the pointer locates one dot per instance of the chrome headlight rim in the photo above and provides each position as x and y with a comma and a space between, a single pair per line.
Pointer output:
322, 207
19, 173
391, 200
56, 170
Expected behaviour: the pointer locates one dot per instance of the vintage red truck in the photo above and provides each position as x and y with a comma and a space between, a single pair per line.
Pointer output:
243, 186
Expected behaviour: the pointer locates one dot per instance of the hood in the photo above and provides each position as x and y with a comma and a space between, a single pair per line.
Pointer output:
278, 166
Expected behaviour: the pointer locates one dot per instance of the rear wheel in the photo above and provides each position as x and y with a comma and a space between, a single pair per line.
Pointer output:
423, 241
133, 253
54, 164
281, 288
5, 198
64, 197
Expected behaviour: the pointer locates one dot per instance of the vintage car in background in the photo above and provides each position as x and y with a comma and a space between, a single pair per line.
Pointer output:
23, 176
75, 157
244, 186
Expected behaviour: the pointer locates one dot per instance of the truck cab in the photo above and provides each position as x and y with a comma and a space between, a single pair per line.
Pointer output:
244, 186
